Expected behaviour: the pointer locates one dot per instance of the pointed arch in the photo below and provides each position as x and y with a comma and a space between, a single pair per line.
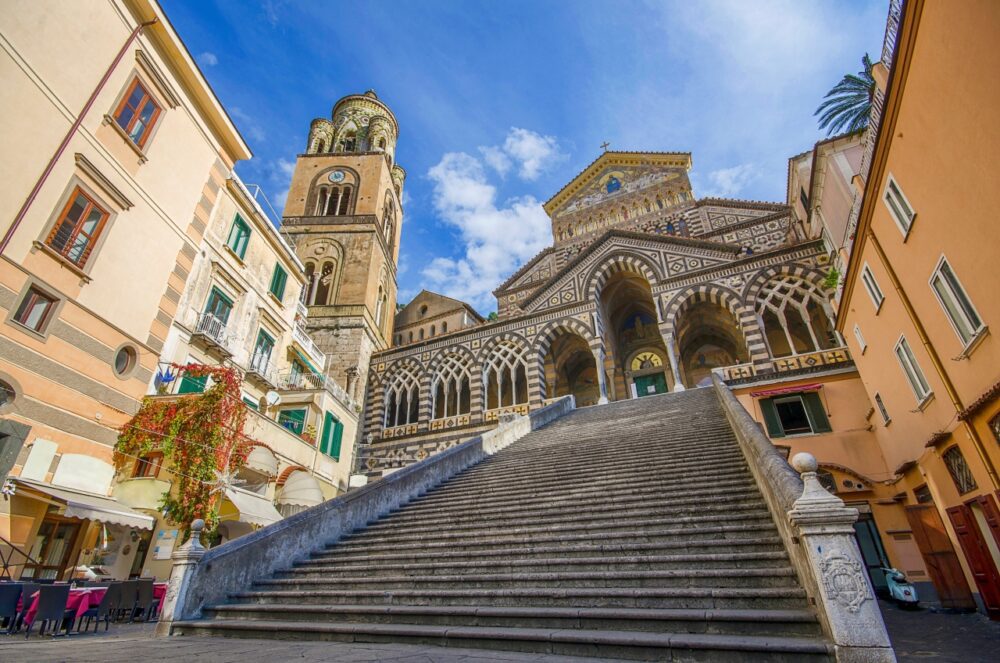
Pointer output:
543, 339
618, 262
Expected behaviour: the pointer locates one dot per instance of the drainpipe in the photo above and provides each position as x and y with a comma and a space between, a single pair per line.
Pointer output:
69, 135
949, 387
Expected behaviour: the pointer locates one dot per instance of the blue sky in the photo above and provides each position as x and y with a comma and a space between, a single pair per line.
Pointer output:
500, 103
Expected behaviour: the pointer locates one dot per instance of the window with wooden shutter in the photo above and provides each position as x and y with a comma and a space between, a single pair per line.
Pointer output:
79, 225
137, 113
797, 414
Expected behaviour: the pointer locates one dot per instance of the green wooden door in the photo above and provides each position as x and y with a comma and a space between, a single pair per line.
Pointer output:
647, 385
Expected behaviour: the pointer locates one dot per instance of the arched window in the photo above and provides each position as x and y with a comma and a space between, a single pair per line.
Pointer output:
411, 338
324, 285
344, 206
402, 399
505, 376
389, 224
307, 292
379, 307
320, 147
349, 142
450, 388
795, 317
444, 327
381, 143
421, 333
321, 201
659, 202
433, 330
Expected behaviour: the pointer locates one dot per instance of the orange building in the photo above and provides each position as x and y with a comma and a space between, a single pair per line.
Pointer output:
917, 296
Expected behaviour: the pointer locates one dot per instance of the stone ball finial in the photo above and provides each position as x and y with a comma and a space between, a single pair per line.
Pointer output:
197, 525
804, 462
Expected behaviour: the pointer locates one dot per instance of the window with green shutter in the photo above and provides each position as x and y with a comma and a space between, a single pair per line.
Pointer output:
278, 280
239, 237
796, 414
250, 403
293, 420
191, 385
333, 433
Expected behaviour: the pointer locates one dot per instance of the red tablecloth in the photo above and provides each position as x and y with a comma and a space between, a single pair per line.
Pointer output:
84, 598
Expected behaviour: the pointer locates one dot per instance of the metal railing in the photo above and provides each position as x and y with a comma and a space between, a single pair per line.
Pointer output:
260, 364
297, 381
212, 328
300, 336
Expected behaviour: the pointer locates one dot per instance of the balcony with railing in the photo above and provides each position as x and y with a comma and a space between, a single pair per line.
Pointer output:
308, 346
211, 332
308, 381
261, 370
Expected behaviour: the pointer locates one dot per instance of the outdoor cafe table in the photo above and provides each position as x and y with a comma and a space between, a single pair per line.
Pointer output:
82, 599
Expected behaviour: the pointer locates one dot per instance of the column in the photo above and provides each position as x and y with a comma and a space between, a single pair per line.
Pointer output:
668, 340
185, 560
602, 380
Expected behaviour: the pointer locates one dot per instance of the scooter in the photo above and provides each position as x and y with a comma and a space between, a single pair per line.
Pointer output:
900, 589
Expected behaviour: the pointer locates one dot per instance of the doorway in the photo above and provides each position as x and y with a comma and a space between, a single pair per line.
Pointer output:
979, 557
53, 545
872, 551
939, 557
648, 385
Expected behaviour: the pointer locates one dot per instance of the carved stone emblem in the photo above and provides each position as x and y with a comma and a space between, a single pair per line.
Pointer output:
844, 580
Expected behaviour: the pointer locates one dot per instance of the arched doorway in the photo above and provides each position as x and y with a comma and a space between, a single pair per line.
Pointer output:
630, 330
570, 369
708, 337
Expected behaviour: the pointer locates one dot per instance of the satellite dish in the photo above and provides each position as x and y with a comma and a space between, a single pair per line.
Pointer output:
273, 398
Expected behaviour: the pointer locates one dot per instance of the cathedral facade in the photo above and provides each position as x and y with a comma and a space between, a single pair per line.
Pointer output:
645, 290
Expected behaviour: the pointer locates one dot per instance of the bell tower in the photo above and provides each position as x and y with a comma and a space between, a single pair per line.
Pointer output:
343, 214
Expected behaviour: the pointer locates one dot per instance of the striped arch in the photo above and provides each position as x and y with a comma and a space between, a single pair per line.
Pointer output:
619, 262
804, 272
378, 389
475, 379
544, 338
729, 299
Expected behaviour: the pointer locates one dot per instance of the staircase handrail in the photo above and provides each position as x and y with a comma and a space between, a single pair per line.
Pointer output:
817, 531
210, 577
5, 560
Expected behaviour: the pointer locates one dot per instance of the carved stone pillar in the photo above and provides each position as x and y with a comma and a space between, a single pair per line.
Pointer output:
602, 380
352, 382
826, 531
668, 341
185, 559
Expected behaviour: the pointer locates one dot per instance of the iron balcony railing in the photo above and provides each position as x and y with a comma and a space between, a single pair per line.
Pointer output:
300, 336
298, 381
212, 328
260, 364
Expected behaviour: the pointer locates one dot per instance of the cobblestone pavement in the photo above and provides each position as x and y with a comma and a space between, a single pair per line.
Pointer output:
937, 637
918, 636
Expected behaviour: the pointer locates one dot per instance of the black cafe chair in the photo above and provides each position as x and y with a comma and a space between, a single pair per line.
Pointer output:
28, 590
104, 610
146, 605
129, 596
52, 602
10, 593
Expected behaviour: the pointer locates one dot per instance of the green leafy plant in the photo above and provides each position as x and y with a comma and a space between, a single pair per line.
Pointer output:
832, 279
847, 106
201, 438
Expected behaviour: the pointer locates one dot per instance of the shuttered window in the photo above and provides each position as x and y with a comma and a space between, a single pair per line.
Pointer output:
333, 433
797, 414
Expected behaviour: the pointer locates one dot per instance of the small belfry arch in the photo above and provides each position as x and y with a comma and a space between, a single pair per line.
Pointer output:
322, 260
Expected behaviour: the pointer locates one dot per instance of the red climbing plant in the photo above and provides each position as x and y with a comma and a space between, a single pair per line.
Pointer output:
200, 436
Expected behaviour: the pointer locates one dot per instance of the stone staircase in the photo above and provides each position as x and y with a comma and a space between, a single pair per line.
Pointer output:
632, 530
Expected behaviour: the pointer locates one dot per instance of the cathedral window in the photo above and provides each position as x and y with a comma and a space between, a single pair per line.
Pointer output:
433, 330
505, 376
410, 338
379, 307
320, 147
402, 399
323, 286
451, 390
794, 315
444, 327
659, 202
349, 142
345, 201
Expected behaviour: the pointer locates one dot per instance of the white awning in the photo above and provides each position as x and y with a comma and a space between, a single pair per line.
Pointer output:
263, 460
254, 509
301, 489
88, 506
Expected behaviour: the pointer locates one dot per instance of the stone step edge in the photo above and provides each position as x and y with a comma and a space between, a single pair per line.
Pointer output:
346, 556
743, 643
545, 592
647, 614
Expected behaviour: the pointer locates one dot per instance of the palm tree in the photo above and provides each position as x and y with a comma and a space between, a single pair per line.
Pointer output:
846, 107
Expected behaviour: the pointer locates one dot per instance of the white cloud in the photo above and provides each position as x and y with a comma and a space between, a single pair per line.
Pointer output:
497, 238
497, 159
208, 59
249, 124
534, 152
730, 182
530, 151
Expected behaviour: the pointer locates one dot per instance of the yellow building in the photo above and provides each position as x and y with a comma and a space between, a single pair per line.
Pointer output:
916, 300
105, 210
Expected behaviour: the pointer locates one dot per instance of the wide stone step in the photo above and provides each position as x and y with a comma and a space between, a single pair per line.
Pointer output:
598, 528
630, 645
756, 622
549, 516
335, 555
638, 482
541, 564
576, 462
669, 490
769, 577
748, 527
698, 598
640, 477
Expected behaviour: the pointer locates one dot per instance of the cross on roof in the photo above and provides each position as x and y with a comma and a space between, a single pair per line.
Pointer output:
605, 145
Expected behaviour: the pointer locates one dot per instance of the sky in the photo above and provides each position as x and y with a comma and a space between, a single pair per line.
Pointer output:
502, 102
